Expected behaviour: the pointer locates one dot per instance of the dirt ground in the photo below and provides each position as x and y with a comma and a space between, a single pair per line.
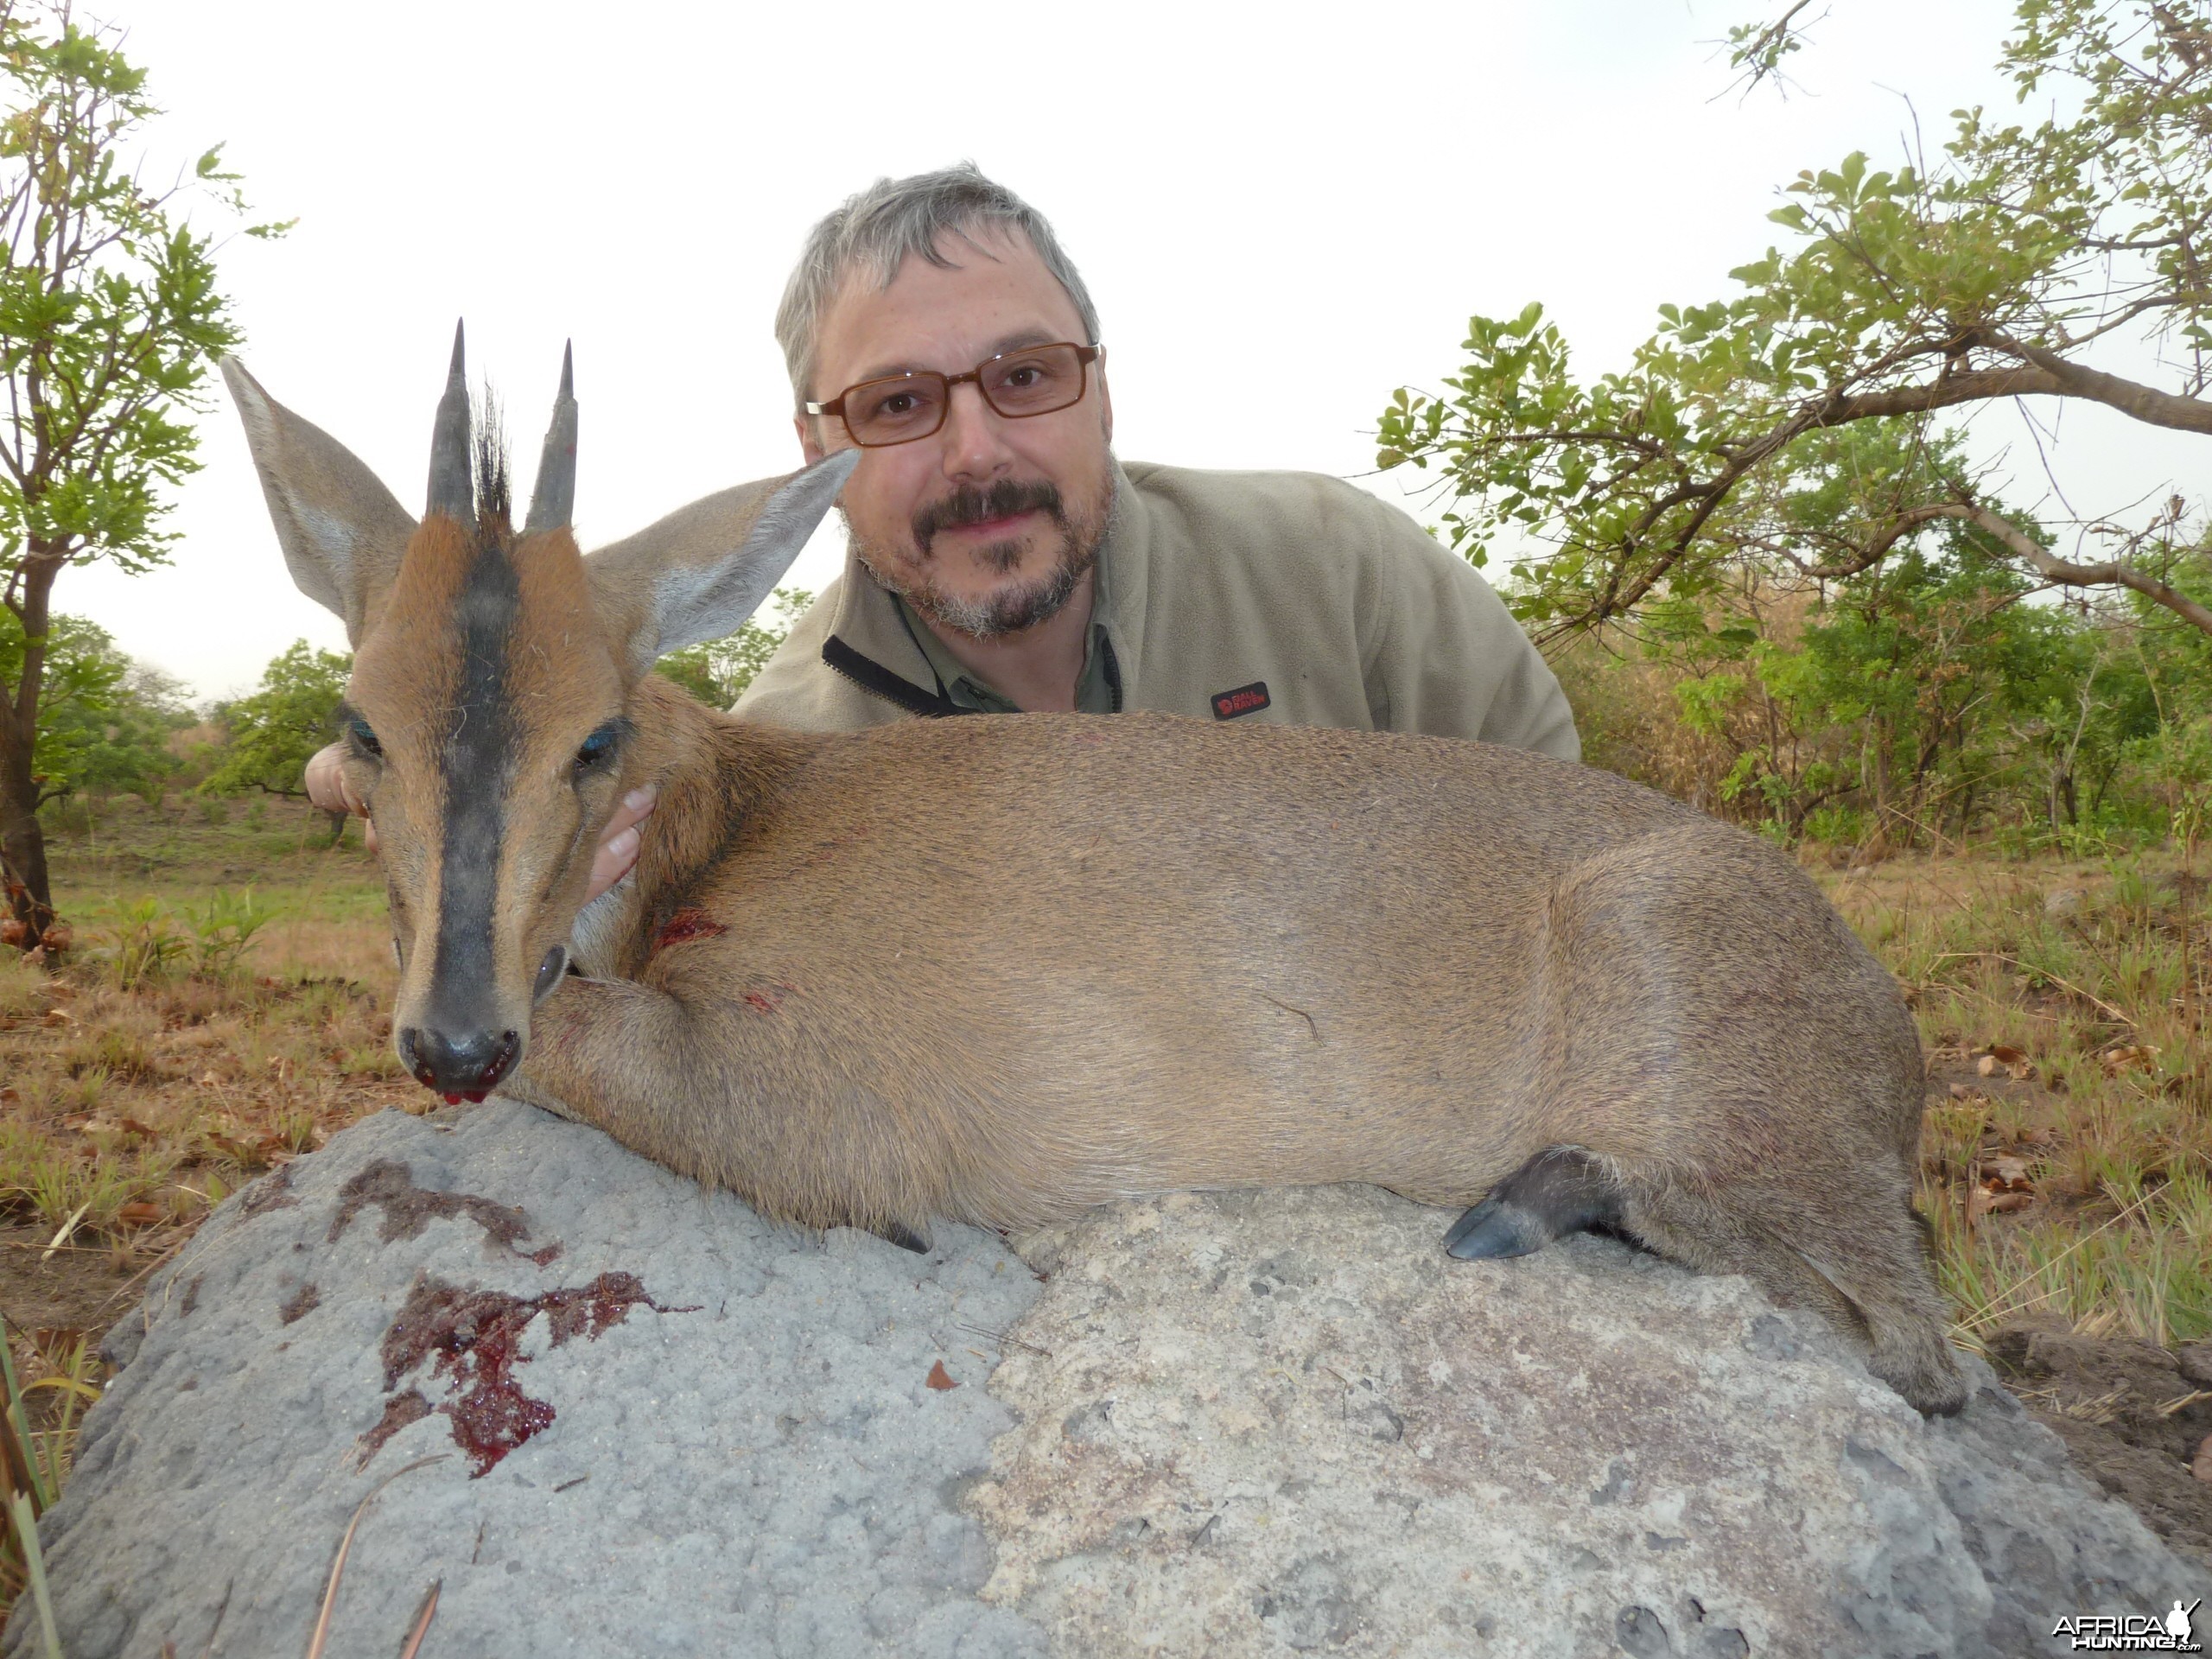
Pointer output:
78, 1290
184, 1085
2137, 1419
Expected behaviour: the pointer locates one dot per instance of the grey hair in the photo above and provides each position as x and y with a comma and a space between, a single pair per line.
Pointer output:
874, 231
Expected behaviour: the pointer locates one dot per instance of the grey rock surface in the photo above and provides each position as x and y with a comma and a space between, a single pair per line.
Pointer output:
1237, 1424
751, 1462
1283, 1422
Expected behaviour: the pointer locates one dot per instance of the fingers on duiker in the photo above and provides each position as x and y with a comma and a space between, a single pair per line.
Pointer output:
342, 532
1562, 1190
700, 573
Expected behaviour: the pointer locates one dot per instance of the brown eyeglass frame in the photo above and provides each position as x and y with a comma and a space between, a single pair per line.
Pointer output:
1084, 357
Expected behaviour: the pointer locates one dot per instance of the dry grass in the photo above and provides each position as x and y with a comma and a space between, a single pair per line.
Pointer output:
199, 1035
2067, 1155
226, 1009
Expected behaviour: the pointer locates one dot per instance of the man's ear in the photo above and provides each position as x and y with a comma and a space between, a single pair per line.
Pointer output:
700, 573
808, 445
342, 533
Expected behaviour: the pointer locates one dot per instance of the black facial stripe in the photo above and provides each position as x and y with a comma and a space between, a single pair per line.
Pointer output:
475, 762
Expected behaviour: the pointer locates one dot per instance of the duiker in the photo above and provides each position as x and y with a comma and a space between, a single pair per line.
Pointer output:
1001, 969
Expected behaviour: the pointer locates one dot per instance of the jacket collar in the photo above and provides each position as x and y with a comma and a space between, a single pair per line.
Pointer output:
868, 643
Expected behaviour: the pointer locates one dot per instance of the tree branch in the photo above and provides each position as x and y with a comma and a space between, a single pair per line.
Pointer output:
1974, 386
2131, 398
2067, 574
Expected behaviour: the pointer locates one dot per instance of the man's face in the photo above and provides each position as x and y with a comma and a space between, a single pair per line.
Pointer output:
989, 525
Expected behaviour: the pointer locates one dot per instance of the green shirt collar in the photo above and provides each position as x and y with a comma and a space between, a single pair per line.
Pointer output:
1097, 689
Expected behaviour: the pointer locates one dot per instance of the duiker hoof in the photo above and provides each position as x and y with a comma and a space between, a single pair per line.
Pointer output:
1558, 1191
1493, 1229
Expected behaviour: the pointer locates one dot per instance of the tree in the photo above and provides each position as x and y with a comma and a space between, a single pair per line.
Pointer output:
105, 720
718, 671
109, 319
272, 732
1995, 272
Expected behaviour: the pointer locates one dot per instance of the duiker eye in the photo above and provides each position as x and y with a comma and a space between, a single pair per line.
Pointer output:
599, 748
364, 737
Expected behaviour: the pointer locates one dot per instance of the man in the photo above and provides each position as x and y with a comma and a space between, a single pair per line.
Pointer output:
1001, 560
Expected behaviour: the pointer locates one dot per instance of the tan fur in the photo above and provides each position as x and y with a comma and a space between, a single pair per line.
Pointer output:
999, 969
1003, 968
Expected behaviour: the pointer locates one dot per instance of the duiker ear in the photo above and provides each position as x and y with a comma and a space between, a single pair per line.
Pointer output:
699, 573
342, 533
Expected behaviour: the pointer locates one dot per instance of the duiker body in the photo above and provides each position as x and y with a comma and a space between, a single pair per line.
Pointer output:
1001, 969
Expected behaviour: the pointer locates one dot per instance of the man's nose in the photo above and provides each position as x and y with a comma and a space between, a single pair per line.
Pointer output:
973, 436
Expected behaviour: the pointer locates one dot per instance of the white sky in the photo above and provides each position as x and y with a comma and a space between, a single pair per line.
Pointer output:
1283, 214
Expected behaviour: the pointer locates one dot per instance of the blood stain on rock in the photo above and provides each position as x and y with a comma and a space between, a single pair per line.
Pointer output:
301, 1303
408, 1208
399, 1411
272, 1191
470, 1337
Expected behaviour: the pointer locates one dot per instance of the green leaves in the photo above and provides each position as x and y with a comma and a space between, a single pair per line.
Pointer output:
105, 720
111, 316
718, 671
272, 732
1899, 292
110, 319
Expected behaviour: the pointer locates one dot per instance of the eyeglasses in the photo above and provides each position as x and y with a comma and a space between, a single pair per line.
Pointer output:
903, 407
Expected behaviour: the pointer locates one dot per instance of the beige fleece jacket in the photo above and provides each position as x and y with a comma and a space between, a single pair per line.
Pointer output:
1284, 597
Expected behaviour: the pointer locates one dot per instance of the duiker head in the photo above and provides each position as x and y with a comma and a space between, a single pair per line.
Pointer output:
486, 721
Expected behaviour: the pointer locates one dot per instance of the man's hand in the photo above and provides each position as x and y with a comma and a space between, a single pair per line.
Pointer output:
618, 842
326, 784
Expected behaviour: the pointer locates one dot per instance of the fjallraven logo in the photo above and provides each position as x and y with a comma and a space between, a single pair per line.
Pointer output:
1245, 699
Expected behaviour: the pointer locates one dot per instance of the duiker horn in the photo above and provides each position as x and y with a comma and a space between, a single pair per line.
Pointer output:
553, 497
453, 490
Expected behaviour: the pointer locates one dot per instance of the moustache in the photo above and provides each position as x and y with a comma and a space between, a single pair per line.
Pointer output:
970, 505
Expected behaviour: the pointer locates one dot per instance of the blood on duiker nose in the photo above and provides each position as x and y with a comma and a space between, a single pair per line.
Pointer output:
464, 1066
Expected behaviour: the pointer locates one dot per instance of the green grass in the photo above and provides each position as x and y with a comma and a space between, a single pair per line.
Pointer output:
2096, 975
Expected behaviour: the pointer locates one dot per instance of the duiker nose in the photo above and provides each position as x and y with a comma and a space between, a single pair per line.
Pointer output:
464, 1066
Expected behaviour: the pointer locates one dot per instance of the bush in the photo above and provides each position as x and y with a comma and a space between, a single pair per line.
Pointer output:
105, 720
718, 672
1937, 698
272, 733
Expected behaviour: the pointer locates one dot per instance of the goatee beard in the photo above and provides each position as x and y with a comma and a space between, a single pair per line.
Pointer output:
1006, 610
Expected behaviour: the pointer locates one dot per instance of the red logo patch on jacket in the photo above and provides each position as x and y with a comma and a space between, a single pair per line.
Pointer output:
1244, 700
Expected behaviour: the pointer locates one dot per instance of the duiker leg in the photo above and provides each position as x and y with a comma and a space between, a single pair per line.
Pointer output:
682, 1081
1887, 1303
1863, 1266
1750, 1078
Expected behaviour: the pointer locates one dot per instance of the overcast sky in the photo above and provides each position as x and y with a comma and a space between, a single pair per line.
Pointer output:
1283, 213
